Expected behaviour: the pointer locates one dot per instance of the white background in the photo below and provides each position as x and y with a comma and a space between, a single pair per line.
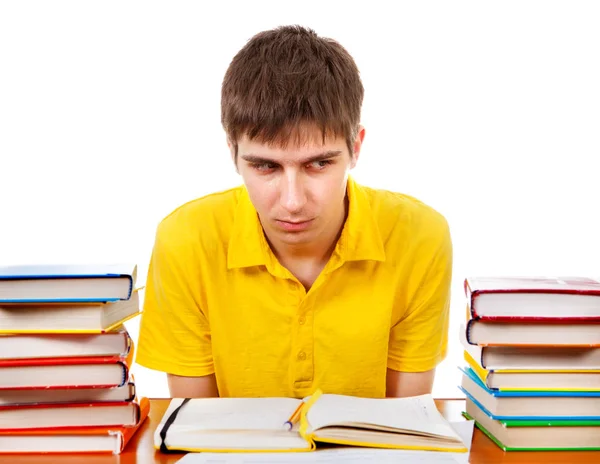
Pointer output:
489, 112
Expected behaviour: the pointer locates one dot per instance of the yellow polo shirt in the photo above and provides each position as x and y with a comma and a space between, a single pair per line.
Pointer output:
218, 301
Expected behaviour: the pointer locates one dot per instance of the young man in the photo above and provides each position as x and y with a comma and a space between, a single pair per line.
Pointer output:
301, 278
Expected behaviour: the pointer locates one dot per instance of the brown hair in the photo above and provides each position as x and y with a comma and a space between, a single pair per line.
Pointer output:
286, 78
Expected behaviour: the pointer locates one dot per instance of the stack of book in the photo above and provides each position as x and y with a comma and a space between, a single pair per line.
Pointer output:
65, 357
532, 346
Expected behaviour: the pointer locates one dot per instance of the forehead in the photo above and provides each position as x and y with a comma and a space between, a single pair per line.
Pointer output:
294, 148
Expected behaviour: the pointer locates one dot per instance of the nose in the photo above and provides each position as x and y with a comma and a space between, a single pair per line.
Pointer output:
293, 193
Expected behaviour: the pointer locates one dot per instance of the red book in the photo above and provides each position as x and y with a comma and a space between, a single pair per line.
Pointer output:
72, 440
69, 416
547, 299
125, 392
49, 373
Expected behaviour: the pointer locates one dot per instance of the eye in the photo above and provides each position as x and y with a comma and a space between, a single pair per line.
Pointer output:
320, 165
263, 167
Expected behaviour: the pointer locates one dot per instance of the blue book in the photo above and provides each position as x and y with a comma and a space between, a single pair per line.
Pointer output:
530, 405
66, 283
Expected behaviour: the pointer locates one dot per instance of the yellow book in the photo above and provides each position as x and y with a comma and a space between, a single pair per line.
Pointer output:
259, 424
536, 379
480, 371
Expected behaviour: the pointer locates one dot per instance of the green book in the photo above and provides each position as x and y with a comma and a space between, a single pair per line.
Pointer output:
535, 435
551, 423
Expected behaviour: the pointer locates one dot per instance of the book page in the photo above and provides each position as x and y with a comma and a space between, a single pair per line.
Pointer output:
211, 414
417, 413
335, 456
343, 454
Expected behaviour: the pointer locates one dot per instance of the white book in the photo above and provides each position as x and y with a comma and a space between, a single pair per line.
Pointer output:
22, 318
531, 357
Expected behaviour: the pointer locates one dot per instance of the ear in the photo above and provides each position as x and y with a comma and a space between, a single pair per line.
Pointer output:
360, 137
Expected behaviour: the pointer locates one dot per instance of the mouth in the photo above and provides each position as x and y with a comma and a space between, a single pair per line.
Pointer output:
293, 226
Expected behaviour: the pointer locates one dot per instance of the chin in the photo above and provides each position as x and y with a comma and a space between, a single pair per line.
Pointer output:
296, 237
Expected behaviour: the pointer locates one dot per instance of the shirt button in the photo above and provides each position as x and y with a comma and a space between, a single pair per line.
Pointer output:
302, 356
301, 320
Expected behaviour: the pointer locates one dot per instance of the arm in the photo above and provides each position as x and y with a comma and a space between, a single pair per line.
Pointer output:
174, 335
402, 384
192, 387
419, 333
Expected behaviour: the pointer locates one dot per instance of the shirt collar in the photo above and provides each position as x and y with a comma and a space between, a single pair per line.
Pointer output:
247, 244
360, 238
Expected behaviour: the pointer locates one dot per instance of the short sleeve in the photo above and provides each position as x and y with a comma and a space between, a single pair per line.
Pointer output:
418, 340
174, 332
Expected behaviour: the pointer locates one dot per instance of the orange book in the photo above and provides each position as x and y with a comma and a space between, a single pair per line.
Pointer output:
78, 440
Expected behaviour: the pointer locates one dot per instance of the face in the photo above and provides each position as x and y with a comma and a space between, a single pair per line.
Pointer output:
298, 192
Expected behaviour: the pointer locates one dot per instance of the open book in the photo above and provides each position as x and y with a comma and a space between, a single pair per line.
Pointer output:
257, 424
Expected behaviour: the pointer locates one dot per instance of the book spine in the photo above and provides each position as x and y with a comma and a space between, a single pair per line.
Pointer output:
482, 359
468, 332
130, 287
125, 376
471, 296
128, 343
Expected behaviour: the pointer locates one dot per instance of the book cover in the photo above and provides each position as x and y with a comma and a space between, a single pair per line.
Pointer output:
69, 416
475, 286
533, 298
485, 376
100, 330
526, 393
514, 418
66, 283
54, 271
14, 397
117, 342
43, 363
121, 437
507, 448
529, 333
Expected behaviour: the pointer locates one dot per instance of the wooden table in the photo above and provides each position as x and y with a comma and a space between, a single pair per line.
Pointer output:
141, 449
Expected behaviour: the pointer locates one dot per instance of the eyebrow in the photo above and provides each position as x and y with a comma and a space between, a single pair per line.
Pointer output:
319, 157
